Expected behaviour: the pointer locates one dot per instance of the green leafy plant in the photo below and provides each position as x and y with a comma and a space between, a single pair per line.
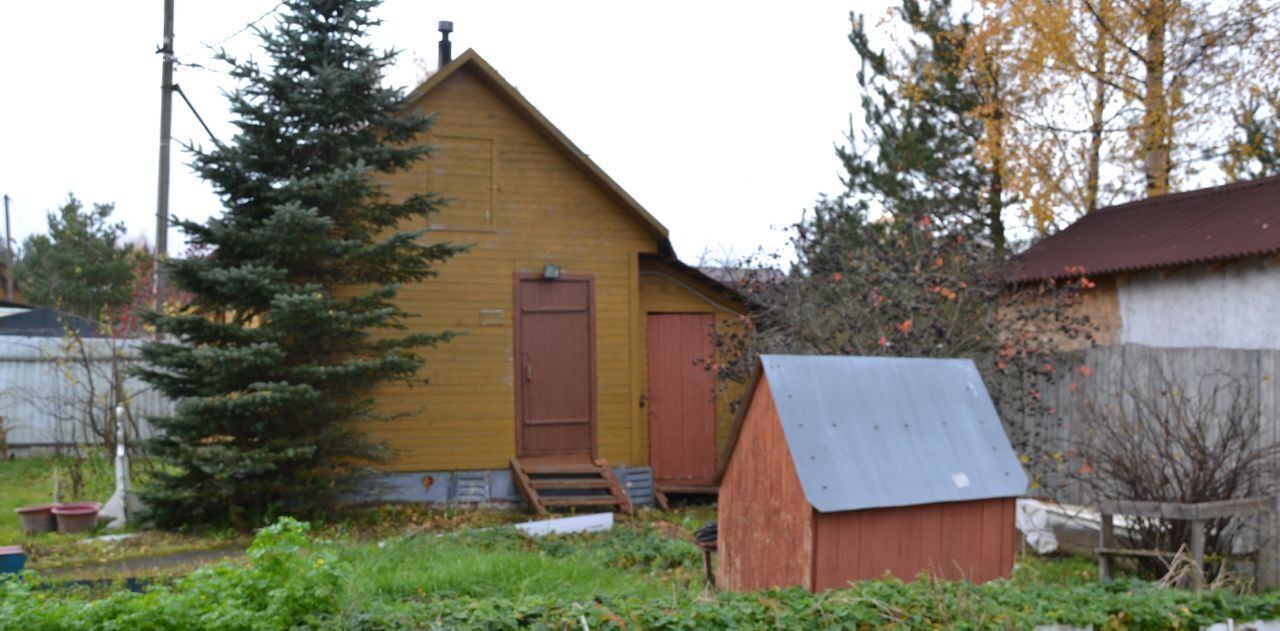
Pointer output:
628, 578
291, 581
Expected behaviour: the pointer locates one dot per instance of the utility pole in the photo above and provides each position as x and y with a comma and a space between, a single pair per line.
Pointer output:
8, 253
166, 121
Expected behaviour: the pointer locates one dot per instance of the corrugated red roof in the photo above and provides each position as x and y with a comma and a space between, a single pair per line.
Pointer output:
1224, 222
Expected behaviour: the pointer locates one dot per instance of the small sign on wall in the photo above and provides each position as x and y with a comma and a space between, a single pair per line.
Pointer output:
492, 317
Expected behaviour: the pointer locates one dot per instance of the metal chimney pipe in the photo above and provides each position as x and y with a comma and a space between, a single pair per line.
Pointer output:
446, 49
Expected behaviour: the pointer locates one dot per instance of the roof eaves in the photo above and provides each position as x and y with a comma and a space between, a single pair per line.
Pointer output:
1171, 198
724, 292
1028, 277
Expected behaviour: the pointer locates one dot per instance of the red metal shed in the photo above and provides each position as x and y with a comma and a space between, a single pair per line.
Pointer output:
845, 468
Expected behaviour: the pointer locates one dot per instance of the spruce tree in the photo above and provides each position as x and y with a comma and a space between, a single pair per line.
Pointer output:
292, 316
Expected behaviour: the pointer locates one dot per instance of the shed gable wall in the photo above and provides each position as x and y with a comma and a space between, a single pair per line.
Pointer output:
766, 524
520, 203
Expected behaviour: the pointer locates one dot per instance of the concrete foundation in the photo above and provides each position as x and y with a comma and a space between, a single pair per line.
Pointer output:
493, 486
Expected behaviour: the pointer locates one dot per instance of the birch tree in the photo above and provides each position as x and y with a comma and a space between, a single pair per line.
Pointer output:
1113, 99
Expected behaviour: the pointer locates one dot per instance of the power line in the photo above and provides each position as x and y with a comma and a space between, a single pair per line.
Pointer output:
203, 67
214, 46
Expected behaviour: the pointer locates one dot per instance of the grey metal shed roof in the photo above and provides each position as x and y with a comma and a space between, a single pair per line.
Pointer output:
872, 432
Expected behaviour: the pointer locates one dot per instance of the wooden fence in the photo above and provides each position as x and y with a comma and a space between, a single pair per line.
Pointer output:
1111, 376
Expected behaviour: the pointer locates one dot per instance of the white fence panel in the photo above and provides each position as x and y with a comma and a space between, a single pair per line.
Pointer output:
51, 388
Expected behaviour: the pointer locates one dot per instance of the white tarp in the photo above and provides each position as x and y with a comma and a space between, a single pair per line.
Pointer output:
1032, 520
567, 525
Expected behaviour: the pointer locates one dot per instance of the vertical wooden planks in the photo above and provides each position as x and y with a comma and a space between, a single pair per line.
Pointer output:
682, 415
955, 540
665, 290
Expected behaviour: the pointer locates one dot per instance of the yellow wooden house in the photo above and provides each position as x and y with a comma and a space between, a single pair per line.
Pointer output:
584, 343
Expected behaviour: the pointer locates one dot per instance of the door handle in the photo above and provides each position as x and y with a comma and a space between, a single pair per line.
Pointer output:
528, 371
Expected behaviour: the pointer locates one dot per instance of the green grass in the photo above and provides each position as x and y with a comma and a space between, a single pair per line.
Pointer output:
27, 481
1037, 570
444, 567
641, 559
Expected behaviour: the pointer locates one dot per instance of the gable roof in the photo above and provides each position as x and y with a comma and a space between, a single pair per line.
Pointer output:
43, 322
1220, 223
471, 59
874, 432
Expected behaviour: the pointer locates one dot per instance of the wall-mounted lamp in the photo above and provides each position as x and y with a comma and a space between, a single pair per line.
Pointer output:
550, 271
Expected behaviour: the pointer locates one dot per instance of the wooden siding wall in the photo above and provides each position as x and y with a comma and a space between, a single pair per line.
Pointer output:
664, 291
1102, 305
521, 204
956, 541
766, 523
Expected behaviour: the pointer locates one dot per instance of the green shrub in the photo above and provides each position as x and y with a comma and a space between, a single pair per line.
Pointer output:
291, 580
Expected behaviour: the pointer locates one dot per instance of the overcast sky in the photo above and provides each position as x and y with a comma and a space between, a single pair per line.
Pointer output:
719, 117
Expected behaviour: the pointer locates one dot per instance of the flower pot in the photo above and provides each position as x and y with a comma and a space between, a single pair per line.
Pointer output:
37, 519
73, 518
12, 559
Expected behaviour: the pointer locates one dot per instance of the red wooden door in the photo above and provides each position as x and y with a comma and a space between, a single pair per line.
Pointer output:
555, 366
682, 410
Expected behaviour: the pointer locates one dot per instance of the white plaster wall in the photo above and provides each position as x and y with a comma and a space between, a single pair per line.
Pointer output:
1234, 307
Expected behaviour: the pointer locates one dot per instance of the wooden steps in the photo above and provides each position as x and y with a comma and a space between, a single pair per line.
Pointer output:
580, 501
575, 483
568, 482
541, 466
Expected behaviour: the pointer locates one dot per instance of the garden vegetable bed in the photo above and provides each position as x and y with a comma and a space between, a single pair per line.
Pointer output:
643, 574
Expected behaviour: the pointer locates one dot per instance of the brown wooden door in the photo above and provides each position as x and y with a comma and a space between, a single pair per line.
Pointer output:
555, 366
682, 410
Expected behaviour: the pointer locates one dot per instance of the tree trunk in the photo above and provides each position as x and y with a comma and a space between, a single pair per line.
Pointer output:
995, 210
1094, 157
995, 194
1156, 115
